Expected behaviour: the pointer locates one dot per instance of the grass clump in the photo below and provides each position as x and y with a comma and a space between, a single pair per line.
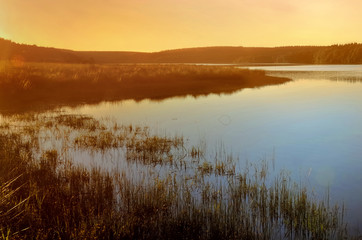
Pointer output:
44, 194
49, 85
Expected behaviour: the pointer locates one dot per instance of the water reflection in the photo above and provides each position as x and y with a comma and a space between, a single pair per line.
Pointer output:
313, 125
311, 68
37, 87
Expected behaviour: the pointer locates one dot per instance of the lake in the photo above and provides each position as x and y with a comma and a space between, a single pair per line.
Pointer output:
311, 126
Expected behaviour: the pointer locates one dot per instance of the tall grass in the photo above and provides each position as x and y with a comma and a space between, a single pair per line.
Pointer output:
168, 189
47, 85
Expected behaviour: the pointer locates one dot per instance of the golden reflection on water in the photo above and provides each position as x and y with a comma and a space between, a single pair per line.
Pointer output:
286, 98
313, 125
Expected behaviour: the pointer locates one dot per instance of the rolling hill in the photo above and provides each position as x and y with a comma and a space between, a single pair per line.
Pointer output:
335, 54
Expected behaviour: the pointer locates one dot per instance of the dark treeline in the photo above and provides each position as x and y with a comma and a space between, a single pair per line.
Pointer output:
340, 54
32, 53
335, 54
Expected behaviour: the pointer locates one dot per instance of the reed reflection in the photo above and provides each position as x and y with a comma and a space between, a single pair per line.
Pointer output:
46, 86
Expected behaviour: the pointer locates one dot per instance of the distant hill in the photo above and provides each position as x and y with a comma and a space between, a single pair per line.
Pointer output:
32, 53
335, 54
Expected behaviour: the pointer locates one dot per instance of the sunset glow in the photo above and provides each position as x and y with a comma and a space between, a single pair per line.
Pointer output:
156, 25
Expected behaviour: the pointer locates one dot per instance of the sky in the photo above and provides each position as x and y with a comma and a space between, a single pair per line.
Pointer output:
155, 25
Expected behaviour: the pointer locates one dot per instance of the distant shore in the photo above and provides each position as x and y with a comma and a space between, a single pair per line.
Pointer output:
42, 85
335, 54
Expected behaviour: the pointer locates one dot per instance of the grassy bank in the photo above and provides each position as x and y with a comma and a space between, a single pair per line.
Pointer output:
46, 85
163, 189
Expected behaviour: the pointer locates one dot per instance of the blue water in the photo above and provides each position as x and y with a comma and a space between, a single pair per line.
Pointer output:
311, 125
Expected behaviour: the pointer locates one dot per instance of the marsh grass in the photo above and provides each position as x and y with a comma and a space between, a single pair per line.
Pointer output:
46, 85
45, 195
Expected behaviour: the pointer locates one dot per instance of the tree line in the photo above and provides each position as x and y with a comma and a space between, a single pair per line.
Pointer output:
335, 54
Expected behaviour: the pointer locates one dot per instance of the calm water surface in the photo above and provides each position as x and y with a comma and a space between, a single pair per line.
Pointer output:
312, 125
312, 68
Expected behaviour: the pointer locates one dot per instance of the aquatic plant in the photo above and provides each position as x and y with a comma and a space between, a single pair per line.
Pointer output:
168, 189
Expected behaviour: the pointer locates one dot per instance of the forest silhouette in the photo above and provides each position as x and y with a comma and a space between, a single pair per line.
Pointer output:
335, 54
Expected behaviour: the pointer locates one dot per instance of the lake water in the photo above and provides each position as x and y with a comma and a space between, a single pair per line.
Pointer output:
312, 68
311, 125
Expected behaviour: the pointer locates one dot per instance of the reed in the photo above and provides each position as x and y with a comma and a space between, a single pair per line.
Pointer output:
44, 85
169, 189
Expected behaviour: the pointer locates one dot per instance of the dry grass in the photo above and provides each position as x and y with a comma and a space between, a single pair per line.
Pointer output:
48, 85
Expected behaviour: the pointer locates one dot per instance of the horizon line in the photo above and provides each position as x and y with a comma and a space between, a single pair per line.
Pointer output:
173, 49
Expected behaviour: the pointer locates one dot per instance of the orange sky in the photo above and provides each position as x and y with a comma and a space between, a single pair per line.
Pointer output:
153, 25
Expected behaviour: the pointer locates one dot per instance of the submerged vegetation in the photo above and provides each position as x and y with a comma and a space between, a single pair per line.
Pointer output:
143, 186
29, 86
